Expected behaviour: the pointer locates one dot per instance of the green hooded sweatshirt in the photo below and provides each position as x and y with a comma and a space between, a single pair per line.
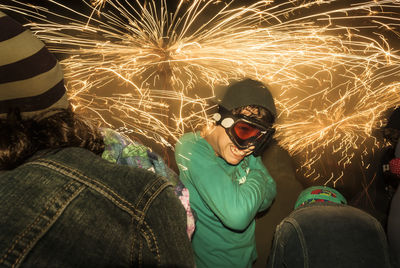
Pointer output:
225, 199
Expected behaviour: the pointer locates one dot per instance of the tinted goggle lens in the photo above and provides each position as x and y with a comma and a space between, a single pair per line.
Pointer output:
245, 134
245, 131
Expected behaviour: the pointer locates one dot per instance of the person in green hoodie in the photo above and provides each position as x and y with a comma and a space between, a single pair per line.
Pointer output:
223, 171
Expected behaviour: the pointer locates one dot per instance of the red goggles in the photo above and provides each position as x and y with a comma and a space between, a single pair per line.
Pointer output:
245, 132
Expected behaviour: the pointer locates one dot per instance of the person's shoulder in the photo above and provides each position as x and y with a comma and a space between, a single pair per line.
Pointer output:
190, 140
254, 161
253, 158
78, 165
93, 170
190, 137
193, 146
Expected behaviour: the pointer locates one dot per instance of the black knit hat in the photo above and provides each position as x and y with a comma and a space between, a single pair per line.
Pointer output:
244, 93
30, 76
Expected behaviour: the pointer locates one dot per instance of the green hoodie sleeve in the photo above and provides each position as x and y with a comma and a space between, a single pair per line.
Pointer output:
271, 185
235, 202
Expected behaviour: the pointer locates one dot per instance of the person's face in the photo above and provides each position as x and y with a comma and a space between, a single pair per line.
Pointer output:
224, 147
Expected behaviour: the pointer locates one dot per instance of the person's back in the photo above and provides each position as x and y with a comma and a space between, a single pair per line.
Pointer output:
324, 233
70, 208
393, 232
61, 204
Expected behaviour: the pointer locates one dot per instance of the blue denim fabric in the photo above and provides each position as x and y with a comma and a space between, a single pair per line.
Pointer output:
71, 208
329, 235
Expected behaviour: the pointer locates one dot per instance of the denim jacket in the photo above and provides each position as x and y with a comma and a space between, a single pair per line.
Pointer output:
329, 235
70, 208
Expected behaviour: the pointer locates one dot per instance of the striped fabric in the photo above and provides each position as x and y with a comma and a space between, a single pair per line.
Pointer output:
31, 78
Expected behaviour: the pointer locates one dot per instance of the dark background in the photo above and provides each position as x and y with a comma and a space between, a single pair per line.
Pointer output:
363, 188
360, 185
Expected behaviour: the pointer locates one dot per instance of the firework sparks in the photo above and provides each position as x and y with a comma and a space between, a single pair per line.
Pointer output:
329, 78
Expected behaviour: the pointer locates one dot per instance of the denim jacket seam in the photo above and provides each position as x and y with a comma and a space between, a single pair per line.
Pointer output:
49, 222
153, 194
140, 259
133, 238
300, 235
154, 189
134, 211
90, 183
275, 244
140, 253
153, 239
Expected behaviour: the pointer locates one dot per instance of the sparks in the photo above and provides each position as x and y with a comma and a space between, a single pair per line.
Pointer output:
332, 76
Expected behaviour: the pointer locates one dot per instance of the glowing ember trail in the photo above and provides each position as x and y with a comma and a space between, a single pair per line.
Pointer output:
332, 74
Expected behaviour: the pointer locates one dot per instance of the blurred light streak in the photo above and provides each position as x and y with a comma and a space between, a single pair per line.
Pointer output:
331, 74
